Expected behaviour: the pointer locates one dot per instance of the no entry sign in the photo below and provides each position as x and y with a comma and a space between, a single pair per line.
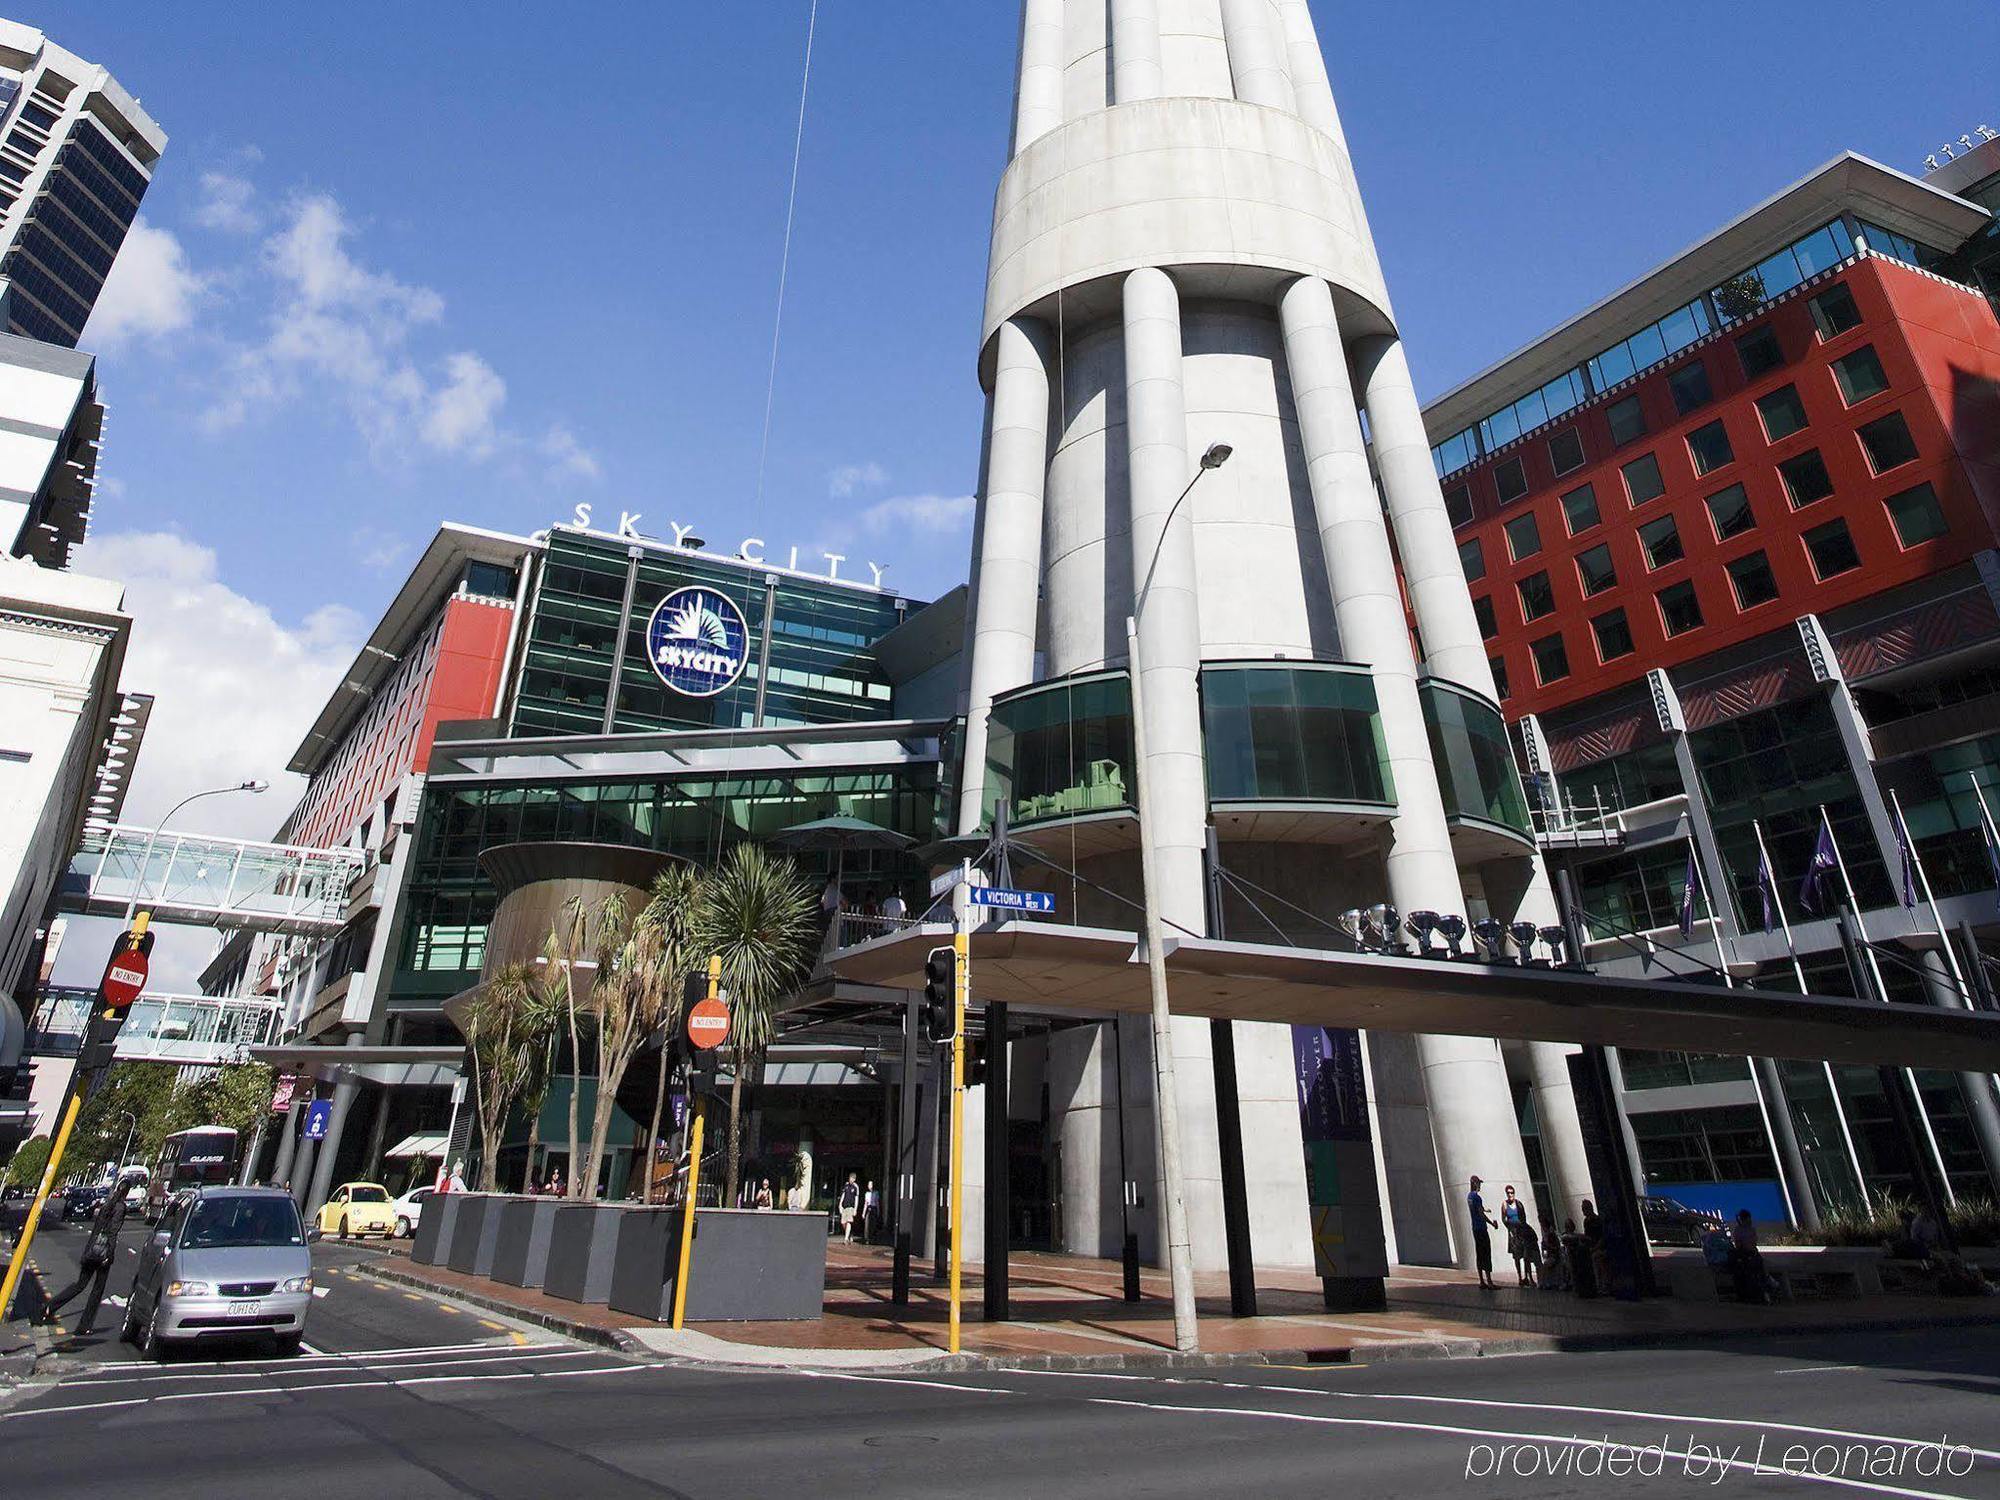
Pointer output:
708, 1024
125, 979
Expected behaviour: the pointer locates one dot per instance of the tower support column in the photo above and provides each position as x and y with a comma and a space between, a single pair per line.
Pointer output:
1257, 54
1136, 71
1038, 101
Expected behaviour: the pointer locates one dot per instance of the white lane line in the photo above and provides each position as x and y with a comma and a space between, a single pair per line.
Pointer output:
936, 1385
1753, 1424
113, 1374
1560, 1440
1814, 1369
42, 1411
267, 1372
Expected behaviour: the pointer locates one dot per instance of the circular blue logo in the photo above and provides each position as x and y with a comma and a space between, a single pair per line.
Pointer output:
698, 642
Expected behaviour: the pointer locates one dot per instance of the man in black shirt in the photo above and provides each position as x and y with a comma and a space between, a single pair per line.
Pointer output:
100, 1253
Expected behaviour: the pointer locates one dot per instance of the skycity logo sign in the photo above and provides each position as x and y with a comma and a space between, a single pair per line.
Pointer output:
751, 550
698, 642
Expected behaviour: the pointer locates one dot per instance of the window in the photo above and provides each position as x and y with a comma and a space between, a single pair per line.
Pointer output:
1835, 311
1680, 611
1472, 559
1888, 442
1524, 537
1662, 541
1580, 509
1690, 387
1566, 451
1614, 635
1860, 375
1482, 611
1511, 479
1551, 660
1458, 504
1917, 515
1642, 480
1538, 597
1627, 419
1832, 549
1753, 580
1759, 352
1499, 677
1595, 570
1806, 479
1710, 448
1782, 412
1730, 511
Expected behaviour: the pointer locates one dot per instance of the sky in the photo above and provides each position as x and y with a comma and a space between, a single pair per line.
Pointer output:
407, 264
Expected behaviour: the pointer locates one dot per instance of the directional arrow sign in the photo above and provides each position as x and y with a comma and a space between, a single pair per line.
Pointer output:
1040, 902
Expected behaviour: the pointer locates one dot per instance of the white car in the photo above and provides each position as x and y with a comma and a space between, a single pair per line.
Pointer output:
409, 1210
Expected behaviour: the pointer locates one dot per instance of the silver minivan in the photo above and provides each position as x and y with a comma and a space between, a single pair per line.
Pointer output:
224, 1262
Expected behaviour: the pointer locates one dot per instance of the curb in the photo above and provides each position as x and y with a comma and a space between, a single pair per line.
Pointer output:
585, 1333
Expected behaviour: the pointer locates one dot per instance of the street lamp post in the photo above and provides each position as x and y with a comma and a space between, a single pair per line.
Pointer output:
152, 837
1180, 1256
125, 1150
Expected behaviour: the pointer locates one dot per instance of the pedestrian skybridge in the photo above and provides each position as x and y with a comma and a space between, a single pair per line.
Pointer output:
197, 1030
202, 881
1086, 972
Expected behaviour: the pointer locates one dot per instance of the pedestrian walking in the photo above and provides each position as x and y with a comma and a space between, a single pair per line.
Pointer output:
871, 1213
1746, 1260
1554, 1275
850, 1206
100, 1253
1522, 1246
1482, 1239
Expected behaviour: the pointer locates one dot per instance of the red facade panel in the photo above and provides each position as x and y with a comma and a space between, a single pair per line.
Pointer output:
1939, 351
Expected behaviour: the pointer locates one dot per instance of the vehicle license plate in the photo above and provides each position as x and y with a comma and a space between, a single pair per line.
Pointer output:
244, 1309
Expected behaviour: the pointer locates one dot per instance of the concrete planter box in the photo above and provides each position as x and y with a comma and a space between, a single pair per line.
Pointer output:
748, 1266
521, 1253
582, 1248
432, 1246
468, 1231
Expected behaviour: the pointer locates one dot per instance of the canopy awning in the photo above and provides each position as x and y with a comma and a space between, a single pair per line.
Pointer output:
423, 1143
1085, 971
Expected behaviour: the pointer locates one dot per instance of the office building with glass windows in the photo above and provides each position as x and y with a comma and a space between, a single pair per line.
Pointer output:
1730, 536
77, 153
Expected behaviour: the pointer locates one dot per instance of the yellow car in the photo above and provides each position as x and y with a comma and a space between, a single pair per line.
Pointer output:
358, 1208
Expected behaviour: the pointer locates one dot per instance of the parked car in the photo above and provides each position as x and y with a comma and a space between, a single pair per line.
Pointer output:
81, 1201
1670, 1222
223, 1262
409, 1211
358, 1208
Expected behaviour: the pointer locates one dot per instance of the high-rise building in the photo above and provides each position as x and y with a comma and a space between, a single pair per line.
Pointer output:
1731, 540
1180, 259
76, 155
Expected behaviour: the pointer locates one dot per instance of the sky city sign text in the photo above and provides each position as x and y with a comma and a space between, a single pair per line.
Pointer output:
751, 550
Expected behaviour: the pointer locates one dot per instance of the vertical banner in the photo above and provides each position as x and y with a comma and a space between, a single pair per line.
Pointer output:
1339, 1153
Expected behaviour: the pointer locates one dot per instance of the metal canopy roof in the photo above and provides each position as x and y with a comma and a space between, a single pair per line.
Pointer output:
1081, 970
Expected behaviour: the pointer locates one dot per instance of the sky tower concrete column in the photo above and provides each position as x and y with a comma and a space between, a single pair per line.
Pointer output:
1009, 566
1038, 100
1136, 70
1466, 1116
1258, 54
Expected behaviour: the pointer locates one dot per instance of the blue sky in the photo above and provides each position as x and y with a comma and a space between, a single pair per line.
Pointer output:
419, 262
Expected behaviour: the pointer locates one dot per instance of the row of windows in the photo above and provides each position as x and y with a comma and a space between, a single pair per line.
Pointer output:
1830, 548
1734, 300
45, 289
107, 226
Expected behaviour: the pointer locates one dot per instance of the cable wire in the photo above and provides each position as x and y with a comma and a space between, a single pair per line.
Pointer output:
785, 260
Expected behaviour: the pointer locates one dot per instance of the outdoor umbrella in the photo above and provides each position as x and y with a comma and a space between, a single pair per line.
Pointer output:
837, 836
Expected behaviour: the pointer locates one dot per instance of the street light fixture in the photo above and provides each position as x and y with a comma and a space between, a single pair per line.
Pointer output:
1180, 1255
146, 859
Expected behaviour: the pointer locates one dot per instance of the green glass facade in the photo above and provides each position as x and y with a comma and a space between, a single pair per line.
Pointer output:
1294, 733
1061, 749
823, 669
1475, 763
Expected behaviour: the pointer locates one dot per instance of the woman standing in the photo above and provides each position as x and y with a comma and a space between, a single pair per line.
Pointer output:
1521, 1240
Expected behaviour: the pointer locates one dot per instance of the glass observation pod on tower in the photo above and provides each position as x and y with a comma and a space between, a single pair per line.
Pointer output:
1294, 752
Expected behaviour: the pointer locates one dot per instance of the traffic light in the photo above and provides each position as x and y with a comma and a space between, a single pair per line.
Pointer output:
938, 1016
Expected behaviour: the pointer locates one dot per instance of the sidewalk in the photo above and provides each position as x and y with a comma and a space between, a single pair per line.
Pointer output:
1068, 1310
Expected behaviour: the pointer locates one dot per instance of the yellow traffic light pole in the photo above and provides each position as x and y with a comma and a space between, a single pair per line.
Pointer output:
961, 967
19, 1263
694, 1167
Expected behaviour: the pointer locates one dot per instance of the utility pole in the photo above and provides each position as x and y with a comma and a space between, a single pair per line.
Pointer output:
961, 948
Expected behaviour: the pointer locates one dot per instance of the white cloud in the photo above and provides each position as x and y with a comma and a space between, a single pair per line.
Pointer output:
460, 418
236, 690
228, 203
151, 289
845, 480
941, 515
380, 551
568, 458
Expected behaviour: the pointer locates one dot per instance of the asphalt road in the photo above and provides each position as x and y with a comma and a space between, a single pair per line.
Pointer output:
559, 1420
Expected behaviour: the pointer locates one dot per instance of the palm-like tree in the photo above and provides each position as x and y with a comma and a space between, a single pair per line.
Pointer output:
585, 937
502, 1031
759, 916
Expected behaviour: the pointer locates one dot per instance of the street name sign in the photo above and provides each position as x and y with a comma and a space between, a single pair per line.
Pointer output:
1037, 902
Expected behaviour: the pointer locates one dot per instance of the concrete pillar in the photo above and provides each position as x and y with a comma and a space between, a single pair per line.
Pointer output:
1312, 91
1136, 72
1472, 1125
1038, 96
288, 1143
1258, 54
344, 1090
1163, 572
1010, 528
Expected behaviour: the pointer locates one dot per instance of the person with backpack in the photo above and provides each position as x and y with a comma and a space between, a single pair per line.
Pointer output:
100, 1254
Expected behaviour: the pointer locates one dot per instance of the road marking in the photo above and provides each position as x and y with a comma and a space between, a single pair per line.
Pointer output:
322, 1291
1561, 1440
938, 1385
117, 1374
500, 1356
489, 1323
1756, 1425
1814, 1369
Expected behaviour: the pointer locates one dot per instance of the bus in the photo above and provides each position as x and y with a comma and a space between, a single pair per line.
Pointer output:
189, 1158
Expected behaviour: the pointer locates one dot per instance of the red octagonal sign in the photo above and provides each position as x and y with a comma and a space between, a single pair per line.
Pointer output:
125, 980
708, 1024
